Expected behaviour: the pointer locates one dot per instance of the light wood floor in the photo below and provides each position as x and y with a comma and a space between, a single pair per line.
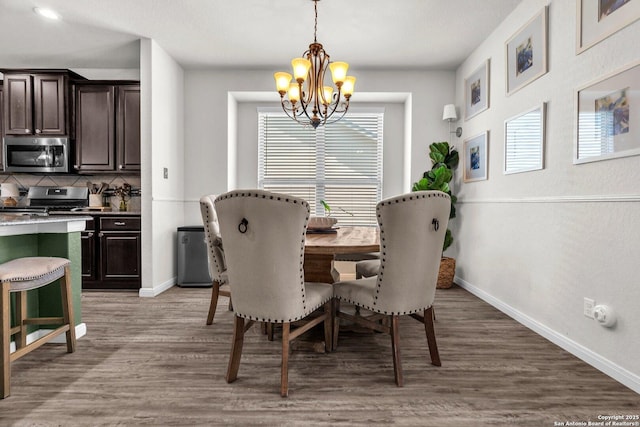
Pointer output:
153, 361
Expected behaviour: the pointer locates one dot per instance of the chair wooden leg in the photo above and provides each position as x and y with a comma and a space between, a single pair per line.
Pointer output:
270, 331
215, 292
336, 324
328, 327
284, 373
236, 349
431, 336
67, 309
5, 327
395, 348
21, 314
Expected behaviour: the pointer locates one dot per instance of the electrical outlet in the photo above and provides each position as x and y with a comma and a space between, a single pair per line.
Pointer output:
589, 304
165, 172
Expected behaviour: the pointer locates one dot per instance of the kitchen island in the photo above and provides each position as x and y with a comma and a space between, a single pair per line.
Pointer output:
30, 235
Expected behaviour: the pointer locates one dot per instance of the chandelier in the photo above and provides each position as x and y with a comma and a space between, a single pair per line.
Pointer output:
309, 101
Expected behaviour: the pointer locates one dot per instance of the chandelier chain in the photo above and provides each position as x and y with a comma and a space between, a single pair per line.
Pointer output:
315, 26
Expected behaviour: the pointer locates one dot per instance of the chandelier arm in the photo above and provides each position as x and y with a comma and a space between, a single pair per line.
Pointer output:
342, 113
336, 104
289, 114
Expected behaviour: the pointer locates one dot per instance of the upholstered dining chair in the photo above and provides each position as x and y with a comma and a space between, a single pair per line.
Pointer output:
215, 254
412, 230
367, 268
264, 238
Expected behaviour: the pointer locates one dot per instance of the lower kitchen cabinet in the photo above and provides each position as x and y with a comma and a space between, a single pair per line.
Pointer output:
111, 248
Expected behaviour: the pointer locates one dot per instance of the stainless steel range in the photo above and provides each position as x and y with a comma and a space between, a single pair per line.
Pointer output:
43, 200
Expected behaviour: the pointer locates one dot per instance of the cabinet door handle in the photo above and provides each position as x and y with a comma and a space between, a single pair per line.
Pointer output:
121, 167
89, 234
119, 223
27, 131
100, 234
38, 131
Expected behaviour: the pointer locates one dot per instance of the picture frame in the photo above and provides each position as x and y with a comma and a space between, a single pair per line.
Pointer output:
526, 53
599, 19
608, 116
476, 91
476, 157
524, 141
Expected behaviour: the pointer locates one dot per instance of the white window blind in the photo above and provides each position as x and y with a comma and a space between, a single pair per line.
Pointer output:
524, 142
340, 163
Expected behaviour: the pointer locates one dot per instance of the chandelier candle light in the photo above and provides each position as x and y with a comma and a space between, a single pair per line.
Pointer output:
309, 101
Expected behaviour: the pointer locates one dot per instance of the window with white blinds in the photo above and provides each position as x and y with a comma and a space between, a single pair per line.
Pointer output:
524, 141
340, 163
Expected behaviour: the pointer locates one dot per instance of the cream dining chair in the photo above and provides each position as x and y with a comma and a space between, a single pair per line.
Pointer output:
264, 237
215, 254
412, 230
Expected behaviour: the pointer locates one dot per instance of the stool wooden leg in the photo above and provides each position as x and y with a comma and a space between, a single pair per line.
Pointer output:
67, 309
21, 314
5, 327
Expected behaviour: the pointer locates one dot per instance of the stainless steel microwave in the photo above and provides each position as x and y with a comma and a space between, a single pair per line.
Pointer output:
25, 154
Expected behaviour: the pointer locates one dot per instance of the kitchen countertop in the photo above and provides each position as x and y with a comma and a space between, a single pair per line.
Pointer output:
11, 224
96, 213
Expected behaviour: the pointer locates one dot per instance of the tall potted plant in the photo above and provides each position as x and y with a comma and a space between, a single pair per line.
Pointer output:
444, 159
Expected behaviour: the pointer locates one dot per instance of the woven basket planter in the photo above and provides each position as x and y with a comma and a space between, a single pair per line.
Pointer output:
446, 273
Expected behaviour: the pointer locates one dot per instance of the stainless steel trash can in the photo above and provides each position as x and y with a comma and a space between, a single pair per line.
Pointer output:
193, 269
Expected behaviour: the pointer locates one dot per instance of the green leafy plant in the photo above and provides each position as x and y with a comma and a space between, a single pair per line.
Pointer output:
327, 209
444, 159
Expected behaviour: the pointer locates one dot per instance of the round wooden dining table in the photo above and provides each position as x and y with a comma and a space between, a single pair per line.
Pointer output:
321, 247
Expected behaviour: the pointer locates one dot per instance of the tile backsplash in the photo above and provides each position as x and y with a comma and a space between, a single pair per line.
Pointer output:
24, 181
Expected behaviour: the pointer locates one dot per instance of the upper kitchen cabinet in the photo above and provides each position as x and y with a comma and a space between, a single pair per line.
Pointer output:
37, 102
1, 127
128, 122
107, 123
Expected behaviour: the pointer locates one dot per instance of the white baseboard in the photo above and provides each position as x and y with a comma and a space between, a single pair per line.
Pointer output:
606, 366
81, 330
157, 290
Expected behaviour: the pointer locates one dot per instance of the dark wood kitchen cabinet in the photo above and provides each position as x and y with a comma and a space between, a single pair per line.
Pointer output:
111, 253
107, 123
128, 126
37, 103
1, 126
88, 247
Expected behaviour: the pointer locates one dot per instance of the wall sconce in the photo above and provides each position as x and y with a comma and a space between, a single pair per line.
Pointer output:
450, 115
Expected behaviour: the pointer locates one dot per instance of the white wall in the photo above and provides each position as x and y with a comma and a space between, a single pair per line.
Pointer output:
535, 244
207, 112
162, 146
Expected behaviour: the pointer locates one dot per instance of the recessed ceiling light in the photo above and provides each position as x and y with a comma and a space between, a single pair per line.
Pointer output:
47, 13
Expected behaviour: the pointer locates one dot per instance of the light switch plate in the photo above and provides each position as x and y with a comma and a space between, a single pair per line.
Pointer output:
589, 304
165, 172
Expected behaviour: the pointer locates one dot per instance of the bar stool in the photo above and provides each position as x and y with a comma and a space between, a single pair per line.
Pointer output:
19, 276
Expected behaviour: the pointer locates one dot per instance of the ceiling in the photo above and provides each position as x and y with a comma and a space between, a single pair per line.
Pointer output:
369, 34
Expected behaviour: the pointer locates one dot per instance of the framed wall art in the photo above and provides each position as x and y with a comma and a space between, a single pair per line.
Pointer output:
598, 19
476, 91
526, 53
608, 117
476, 157
524, 141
